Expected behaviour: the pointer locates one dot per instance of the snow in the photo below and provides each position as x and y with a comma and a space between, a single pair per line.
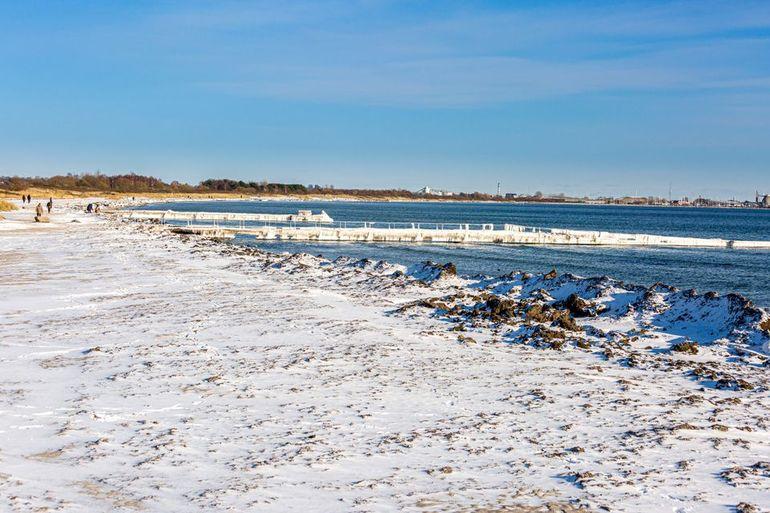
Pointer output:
147, 371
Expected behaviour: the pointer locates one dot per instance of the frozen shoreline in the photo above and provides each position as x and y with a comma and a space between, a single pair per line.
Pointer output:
143, 370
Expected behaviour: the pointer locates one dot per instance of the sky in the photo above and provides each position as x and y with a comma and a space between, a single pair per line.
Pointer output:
582, 97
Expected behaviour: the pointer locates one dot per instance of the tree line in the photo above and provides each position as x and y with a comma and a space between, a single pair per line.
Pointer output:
134, 183
94, 182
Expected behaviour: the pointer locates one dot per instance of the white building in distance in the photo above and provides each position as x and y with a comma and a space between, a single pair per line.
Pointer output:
427, 191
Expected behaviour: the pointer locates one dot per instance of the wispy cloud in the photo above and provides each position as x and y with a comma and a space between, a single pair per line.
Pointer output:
362, 52
390, 52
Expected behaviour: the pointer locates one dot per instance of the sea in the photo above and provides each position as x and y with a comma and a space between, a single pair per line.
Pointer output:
722, 270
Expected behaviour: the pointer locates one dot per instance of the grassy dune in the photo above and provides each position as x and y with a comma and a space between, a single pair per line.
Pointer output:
6, 206
43, 193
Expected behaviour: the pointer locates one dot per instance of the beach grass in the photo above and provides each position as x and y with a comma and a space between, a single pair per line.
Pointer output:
5, 206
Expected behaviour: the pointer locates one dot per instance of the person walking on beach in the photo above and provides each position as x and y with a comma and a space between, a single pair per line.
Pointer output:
29, 199
49, 205
23, 199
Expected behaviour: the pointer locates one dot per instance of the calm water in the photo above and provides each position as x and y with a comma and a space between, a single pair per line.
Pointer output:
746, 272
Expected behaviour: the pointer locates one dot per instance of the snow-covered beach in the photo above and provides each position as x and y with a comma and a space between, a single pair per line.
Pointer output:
147, 371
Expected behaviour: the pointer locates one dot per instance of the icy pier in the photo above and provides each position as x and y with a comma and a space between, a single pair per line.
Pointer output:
291, 228
303, 216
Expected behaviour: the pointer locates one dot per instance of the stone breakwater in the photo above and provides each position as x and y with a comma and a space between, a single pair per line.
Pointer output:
511, 234
302, 216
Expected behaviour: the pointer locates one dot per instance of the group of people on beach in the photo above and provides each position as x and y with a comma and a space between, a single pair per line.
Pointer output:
39, 209
91, 208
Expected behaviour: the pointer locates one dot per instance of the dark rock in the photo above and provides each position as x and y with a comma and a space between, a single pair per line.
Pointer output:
730, 383
466, 340
548, 314
745, 507
429, 272
499, 307
579, 307
686, 347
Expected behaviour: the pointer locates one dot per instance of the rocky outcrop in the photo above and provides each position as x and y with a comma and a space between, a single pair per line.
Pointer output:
580, 307
430, 272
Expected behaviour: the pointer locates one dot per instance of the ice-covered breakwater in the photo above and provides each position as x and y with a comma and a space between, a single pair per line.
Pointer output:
216, 225
528, 235
302, 216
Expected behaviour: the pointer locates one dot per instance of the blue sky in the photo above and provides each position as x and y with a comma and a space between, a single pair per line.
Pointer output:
585, 97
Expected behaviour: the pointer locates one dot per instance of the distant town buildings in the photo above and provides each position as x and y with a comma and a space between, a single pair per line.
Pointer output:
427, 191
760, 200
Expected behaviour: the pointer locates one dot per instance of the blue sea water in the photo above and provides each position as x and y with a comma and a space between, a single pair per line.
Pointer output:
722, 270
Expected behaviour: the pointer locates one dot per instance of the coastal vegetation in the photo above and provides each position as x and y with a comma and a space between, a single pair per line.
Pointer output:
5, 206
128, 184
95, 182
131, 183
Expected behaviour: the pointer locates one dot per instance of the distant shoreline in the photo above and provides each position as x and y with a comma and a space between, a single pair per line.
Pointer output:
322, 199
160, 197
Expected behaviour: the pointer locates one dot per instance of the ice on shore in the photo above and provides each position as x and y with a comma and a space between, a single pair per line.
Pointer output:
144, 371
